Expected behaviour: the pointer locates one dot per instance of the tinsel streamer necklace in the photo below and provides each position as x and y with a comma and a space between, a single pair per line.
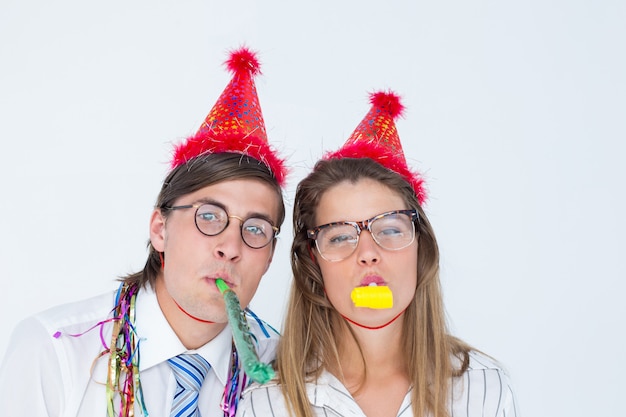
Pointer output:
237, 381
123, 366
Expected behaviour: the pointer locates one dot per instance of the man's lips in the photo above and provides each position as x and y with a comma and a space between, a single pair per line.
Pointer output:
223, 277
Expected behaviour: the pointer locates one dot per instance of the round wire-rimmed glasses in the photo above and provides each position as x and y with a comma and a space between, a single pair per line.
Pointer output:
211, 220
393, 230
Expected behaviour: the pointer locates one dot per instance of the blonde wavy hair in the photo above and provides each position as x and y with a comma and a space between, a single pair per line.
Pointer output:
309, 342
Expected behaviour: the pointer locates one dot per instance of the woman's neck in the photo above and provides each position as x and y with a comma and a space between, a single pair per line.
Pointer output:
377, 375
381, 349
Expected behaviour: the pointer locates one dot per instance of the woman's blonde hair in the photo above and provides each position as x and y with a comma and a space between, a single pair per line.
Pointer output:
309, 343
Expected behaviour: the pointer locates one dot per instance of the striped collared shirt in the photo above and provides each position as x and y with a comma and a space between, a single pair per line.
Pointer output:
484, 390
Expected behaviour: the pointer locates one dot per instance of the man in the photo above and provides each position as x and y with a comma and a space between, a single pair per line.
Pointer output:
132, 352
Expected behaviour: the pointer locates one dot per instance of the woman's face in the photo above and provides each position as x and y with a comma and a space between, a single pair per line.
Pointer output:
369, 262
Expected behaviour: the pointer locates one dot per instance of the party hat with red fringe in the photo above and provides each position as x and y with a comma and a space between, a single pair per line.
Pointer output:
376, 137
235, 123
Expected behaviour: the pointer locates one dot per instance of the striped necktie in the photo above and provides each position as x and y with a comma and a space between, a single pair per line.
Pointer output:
189, 371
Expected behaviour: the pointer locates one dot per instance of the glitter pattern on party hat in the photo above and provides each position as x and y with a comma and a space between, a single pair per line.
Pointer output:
235, 123
376, 137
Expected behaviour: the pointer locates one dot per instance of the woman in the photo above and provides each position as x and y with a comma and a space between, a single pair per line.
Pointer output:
365, 333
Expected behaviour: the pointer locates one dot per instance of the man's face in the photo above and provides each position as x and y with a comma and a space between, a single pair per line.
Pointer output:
193, 261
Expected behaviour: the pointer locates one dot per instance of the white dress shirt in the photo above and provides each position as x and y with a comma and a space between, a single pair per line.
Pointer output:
484, 390
44, 376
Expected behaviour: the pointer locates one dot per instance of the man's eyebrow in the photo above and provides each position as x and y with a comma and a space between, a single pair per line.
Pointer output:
206, 200
263, 216
255, 214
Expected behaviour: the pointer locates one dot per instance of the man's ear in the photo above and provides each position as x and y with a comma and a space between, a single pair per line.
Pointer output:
157, 230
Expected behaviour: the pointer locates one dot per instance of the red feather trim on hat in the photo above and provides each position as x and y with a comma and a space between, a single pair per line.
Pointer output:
203, 142
386, 158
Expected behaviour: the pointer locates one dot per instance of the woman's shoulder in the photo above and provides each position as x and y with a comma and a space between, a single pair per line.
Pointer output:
482, 366
481, 361
485, 386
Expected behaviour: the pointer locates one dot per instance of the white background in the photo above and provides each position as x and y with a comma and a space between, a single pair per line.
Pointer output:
515, 113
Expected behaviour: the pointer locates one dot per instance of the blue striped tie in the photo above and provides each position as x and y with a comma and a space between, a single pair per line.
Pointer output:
189, 371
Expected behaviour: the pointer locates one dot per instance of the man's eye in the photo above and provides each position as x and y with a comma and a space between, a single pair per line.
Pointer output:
255, 230
208, 217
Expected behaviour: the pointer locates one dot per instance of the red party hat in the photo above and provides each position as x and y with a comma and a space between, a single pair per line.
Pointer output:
376, 137
235, 123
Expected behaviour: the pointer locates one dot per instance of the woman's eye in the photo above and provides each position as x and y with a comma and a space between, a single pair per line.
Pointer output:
339, 239
390, 231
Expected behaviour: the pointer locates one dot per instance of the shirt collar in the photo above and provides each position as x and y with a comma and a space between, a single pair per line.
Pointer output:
329, 393
158, 342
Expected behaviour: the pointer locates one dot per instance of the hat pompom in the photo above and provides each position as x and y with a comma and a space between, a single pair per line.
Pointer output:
388, 101
243, 59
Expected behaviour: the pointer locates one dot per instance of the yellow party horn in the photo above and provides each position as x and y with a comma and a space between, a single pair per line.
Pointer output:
374, 296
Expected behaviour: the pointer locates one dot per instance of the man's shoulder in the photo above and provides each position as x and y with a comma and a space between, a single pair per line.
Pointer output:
76, 314
63, 331
266, 337
260, 328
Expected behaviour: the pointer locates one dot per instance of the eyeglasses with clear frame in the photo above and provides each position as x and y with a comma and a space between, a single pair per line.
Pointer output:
211, 220
393, 230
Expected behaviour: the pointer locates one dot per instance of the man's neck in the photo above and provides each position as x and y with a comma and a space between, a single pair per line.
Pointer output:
193, 332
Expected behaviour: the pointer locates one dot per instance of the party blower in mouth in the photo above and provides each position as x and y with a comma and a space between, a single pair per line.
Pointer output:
372, 296
255, 369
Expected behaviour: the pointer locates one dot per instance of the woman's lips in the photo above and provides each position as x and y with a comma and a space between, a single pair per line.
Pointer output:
372, 280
